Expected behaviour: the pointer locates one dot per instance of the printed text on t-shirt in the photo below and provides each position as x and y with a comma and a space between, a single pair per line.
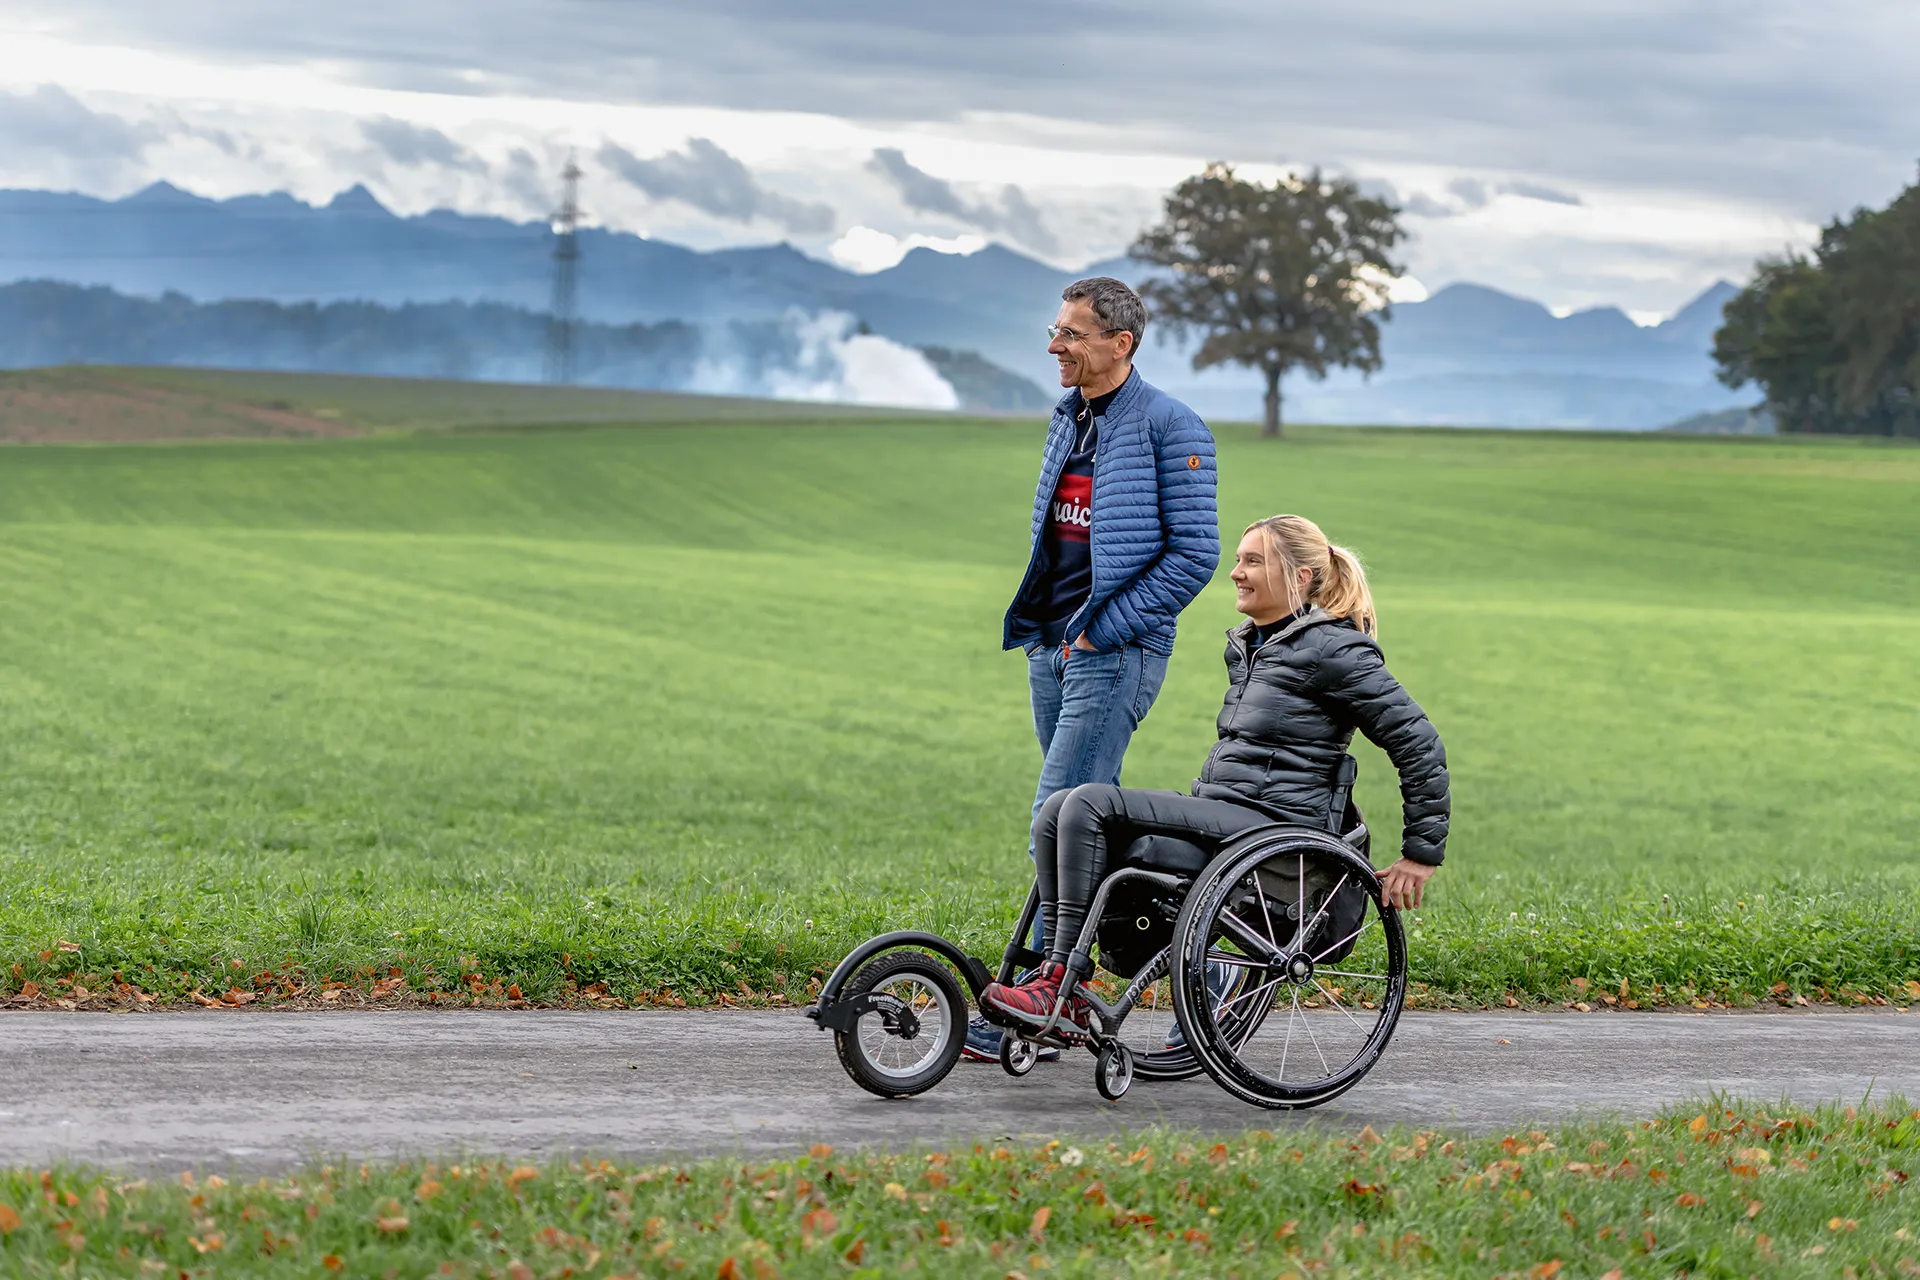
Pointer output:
1072, 514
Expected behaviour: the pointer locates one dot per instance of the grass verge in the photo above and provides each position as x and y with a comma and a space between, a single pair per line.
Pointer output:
1792, 942
1729, 1189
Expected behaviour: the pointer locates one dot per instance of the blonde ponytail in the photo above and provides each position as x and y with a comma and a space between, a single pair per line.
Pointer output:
1338, 583
1346, 594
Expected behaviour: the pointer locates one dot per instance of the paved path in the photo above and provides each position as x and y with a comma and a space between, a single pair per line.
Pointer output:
255, 1091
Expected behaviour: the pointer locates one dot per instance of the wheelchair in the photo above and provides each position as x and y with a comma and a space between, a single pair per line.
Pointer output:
1273, 965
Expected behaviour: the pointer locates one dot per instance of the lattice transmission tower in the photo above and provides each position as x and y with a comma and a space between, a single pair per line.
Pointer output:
566, 260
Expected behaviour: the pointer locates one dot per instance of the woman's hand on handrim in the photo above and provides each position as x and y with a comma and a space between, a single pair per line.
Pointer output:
1404, 883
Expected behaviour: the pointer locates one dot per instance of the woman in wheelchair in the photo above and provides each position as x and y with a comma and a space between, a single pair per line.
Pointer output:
1304, 672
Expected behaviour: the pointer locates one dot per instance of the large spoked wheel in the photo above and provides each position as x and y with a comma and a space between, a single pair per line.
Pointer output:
1325, 965
913, 1035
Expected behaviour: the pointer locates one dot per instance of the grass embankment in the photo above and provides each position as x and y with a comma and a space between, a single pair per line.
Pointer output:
1727, 1192
685, 712
105, 403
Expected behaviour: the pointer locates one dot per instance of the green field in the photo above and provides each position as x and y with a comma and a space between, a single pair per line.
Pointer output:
689, 708
1730, 1190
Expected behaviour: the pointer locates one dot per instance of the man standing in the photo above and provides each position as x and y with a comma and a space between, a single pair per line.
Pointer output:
1125, 535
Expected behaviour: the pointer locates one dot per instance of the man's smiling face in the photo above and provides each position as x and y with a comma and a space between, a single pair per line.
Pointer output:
1091, 357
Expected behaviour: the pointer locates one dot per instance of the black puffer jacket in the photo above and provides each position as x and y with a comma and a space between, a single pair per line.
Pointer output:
1291, 710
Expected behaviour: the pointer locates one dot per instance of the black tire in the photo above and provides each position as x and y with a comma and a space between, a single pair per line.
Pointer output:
1247, 910
880, 1059
1017, 1056
1113, 1072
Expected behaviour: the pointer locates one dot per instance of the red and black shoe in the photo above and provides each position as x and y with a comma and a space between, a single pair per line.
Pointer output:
1032, 1001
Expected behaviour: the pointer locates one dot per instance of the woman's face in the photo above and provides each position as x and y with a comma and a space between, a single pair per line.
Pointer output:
1260, 587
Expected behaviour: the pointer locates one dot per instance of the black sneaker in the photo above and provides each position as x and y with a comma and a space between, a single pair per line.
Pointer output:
983, 1044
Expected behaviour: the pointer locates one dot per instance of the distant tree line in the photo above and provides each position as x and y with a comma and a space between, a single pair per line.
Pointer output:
46, 322
1833, 338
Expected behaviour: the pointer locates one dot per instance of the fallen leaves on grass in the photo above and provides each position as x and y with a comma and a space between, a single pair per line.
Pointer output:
801, 1215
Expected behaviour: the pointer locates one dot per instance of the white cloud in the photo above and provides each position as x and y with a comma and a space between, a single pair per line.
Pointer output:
1407, 289
709, 178
1629, 152
866, 250
1398, 288
1008, 211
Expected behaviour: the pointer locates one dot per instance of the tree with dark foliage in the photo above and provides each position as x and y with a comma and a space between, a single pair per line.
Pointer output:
1287, 276
1834, 340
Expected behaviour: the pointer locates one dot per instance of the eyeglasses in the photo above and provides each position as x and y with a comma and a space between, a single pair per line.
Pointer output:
1059, 333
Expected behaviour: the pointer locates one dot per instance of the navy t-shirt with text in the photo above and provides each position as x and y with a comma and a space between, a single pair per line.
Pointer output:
1067, 538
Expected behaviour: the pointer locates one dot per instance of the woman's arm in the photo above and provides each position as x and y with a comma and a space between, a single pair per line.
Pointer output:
1354, 682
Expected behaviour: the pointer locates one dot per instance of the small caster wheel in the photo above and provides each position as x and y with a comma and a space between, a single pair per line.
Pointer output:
1017, 1056
1113, 1071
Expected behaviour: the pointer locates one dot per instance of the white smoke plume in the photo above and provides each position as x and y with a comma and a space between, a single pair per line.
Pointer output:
824, 357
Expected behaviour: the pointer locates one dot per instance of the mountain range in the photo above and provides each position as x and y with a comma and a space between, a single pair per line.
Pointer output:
1468, 354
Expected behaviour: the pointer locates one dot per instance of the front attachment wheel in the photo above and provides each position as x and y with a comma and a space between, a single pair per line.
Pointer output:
911, 1036
1321, 962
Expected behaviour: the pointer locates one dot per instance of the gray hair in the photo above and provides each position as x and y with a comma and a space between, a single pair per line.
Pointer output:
1114, 304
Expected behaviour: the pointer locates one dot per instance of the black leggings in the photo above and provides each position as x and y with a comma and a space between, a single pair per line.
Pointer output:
1075, 829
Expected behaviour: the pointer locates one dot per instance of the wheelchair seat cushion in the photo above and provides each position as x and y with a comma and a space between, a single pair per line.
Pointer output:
1167, 853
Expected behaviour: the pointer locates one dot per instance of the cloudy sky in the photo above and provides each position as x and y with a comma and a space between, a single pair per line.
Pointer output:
1624, 151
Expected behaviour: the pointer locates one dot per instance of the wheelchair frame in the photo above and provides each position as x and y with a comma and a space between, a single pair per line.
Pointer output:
1021, 1041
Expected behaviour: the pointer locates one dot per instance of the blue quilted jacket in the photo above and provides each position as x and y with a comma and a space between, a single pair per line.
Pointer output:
1156, 530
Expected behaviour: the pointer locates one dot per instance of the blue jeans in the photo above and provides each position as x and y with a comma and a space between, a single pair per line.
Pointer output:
1085, 710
